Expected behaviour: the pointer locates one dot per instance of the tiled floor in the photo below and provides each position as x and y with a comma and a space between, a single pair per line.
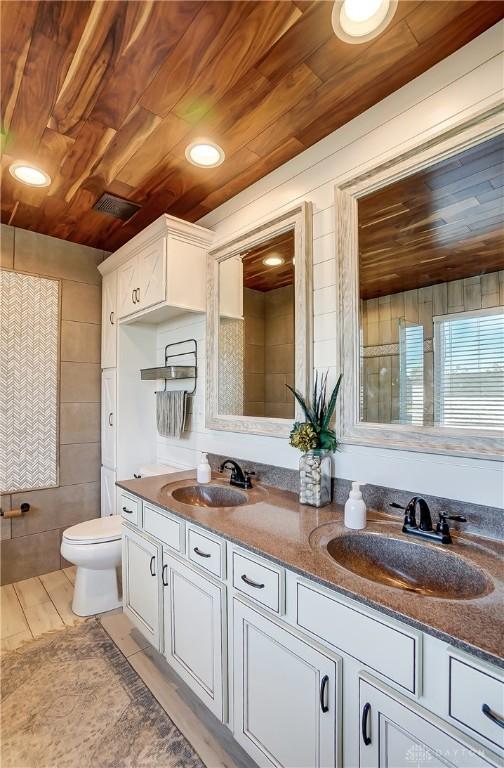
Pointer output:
35, 606
43, 604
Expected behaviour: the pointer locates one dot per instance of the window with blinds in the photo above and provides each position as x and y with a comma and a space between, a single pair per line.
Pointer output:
411, 373
469, 369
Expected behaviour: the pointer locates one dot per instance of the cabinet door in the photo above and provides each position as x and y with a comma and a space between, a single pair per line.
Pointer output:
286, 702
109, 320
142, 598
108, 417
194, 617
108, 492
128, 283
396, 733
152, 274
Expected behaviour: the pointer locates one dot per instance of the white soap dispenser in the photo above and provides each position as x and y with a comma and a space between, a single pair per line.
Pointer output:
203, 471
355, 508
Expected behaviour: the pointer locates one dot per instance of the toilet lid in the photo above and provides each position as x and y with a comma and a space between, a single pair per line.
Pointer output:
95, 531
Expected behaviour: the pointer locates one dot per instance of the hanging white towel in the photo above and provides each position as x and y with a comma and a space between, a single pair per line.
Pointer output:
171, 412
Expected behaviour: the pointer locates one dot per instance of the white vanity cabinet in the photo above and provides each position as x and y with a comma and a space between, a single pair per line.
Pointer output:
286, 694
195, 631
142, 596
304, 676
395, 733
109, 321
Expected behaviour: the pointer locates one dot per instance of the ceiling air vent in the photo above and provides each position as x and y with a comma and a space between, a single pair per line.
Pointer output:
117, 207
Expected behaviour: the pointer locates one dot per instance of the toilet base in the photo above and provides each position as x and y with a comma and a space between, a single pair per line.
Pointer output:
96, 591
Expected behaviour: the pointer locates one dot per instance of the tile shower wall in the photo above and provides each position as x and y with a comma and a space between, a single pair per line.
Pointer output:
30, 544
380, 332
431, 103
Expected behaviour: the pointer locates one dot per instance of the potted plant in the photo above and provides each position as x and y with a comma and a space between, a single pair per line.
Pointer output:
317, 440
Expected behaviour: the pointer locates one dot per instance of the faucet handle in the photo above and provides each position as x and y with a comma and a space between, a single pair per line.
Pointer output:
442, 526
396, 505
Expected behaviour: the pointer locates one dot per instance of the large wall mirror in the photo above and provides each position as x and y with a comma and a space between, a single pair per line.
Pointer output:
424, 327
259, 326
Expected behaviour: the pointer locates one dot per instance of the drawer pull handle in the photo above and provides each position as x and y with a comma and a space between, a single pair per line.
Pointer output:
111, 318
110, 419
200, 553
493, 716
151, 565
128, 511
323, 687
251, 583
137, 294
133, 299
163, 573
366, 709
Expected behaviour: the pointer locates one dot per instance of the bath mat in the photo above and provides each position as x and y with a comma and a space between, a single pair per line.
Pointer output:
71, 700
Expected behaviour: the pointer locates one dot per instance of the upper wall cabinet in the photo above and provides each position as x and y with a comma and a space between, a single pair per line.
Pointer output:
161, 269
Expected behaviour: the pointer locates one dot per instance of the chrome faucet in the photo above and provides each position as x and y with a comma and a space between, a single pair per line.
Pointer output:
239, 478
440, 534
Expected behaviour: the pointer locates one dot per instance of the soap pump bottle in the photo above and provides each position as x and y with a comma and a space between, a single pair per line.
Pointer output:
355, 508
203, 471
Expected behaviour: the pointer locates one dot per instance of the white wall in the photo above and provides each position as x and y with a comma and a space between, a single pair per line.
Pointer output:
472, 76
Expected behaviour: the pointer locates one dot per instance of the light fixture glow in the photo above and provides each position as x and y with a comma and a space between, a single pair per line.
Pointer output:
273, 261
204, 153
29, 174
357, 21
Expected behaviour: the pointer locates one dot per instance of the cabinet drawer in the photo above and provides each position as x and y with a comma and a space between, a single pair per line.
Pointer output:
206, 552
164, 527
384, 646
130, 508
470, 688
258, 581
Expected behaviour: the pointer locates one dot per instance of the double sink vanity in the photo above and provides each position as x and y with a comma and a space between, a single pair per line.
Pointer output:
316, 645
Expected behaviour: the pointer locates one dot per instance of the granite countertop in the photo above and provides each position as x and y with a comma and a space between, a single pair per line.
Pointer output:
276, 525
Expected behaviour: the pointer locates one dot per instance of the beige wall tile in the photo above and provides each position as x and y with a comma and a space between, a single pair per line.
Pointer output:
440, 299
80, 342
79, 463
254, 358
254, 330
253, 409
279, 302
80, 383
275, 390
29, 556
81, 302
53, 257
279, 329
57, 508
5, 525
253, 302
279, 410
278, 359
79, 423
6, 246
254, 387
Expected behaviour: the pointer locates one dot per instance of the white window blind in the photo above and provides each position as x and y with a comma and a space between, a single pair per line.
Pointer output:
411, 373
469, 369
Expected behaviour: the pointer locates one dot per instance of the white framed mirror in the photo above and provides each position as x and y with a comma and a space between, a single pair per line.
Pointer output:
259, 326
420, 249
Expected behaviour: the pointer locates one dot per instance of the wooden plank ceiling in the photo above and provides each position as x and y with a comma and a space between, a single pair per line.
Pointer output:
445, 223
260, 276
106, 96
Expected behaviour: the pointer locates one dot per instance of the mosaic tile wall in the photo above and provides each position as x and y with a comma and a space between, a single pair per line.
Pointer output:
28, 382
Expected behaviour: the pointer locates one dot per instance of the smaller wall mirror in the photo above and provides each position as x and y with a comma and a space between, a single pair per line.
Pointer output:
259, 314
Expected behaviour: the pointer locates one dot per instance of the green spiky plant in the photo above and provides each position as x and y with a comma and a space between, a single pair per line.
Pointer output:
315, 432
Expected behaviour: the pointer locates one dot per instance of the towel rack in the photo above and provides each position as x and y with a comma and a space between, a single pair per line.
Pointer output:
170, 372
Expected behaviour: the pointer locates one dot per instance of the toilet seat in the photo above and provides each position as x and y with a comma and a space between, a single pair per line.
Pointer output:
96, 531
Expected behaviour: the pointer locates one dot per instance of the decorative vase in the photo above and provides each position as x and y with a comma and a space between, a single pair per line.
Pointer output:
315, 478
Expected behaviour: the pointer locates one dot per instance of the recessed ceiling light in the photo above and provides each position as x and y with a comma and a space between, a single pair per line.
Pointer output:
273, 261
205, 153
28, 174
357, 21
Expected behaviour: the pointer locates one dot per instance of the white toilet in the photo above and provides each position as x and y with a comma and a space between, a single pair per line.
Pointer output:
95, 548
